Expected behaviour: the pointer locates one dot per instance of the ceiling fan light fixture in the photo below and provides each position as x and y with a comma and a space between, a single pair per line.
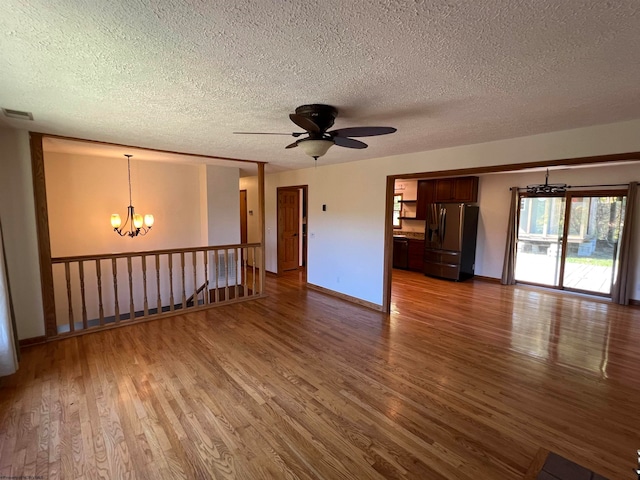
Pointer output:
315, 148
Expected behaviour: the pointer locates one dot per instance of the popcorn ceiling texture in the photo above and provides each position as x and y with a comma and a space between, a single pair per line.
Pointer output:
183, 75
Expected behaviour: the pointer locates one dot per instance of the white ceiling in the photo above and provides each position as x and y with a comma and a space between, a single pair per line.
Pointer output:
183, 75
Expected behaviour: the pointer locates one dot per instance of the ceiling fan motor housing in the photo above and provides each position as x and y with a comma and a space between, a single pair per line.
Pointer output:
322, 115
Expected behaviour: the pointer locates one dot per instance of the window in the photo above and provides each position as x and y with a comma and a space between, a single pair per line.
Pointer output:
397, 210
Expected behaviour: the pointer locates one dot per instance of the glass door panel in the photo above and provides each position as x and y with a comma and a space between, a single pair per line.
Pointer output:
540, 228
595, 225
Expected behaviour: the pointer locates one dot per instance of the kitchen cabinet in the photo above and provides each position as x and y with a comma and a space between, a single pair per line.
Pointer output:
426, 195
456, 190
445, 190
416, 254
400, 252
466, 189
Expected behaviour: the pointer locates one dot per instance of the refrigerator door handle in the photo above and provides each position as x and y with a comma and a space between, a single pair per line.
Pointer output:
460, 229
433, 220
444, 226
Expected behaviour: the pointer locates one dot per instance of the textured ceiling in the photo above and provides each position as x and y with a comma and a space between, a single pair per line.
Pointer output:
184, 75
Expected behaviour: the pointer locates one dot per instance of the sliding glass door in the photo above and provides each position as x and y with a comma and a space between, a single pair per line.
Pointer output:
594, 229
538, 259
570, 242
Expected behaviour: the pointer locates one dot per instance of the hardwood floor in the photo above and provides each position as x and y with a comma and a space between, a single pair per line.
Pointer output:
462, 381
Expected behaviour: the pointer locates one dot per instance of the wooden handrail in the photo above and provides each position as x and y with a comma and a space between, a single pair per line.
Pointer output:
197, 292
78, 258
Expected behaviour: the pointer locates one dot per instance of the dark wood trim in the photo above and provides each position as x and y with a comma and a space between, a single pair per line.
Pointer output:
27, 342
634, 303
244, 216
482, 278
348, 298
305, 227
388, 245
42, 229
513, 167
98, 142
261, 226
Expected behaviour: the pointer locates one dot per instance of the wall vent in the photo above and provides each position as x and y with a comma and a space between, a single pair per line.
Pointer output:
17, 114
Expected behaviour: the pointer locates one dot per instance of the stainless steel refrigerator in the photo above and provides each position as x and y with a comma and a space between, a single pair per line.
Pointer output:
450, 240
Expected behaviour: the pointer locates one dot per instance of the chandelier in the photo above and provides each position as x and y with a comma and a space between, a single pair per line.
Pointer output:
136, 224
547, 188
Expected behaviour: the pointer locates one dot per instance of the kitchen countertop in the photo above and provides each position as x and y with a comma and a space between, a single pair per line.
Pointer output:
412, 235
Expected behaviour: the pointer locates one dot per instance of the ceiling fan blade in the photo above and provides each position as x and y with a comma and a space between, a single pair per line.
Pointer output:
291, 145
361, 131
349, 142
304, 122
294, 134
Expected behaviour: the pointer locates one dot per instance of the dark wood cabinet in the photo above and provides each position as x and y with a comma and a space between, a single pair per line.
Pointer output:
445, 190
400, 252
465, 189
426, 195
456, 190
416, 255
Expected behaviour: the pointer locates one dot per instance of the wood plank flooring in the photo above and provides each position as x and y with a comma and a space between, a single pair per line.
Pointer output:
462, 381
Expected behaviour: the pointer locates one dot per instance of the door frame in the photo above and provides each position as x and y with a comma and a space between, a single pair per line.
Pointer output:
302, 232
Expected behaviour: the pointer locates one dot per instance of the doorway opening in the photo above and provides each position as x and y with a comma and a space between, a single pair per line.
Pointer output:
570, 242
292, 228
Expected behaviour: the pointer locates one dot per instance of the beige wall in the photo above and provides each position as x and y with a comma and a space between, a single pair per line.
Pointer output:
83, 192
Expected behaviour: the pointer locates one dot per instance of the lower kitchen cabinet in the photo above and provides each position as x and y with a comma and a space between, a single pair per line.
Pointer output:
416, 254
400, 252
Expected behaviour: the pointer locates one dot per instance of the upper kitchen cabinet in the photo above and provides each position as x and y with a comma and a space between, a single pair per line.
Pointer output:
426, 195
456, 190
446, 190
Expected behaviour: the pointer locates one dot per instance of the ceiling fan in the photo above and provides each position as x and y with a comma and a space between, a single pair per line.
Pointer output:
316, 120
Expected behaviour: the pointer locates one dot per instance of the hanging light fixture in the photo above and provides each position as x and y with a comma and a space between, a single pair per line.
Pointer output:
547, 188
137, 225
315, 147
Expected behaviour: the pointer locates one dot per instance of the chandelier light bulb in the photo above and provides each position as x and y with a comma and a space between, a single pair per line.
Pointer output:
137, 220
116, 221
148, 220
